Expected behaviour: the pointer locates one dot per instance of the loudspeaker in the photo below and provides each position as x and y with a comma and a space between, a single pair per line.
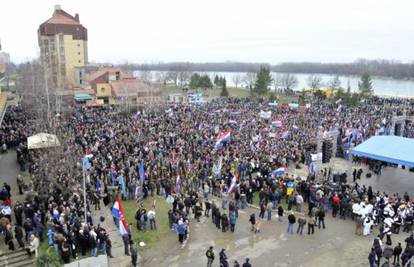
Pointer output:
397, 130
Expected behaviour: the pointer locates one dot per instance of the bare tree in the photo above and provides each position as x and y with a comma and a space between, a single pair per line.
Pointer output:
145, 74
277, 81
37, 98
314, 81
289, 81
249, 79
161, 77
237, 78
184, 74
334, 83
172, 75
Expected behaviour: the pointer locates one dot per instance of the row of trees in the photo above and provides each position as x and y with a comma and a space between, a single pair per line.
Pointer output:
386, 68
288, 81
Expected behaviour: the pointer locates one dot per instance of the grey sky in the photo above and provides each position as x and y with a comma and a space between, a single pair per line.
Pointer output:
218, 30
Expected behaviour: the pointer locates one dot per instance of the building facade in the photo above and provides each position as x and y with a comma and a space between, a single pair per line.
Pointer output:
63, 43
4, 60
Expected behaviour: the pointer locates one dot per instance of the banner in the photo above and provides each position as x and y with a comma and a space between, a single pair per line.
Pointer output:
316, 157
265, 114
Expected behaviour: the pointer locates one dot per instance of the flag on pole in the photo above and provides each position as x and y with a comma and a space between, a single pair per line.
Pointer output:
233, 183
222, 138
285, 134
279, 171
277, 123
118, 213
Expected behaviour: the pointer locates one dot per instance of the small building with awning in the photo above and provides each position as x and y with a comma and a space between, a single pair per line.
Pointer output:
82, 98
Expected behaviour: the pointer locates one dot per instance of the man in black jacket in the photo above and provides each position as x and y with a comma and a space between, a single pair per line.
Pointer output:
397, 252
321, 218
247, 263
292, 221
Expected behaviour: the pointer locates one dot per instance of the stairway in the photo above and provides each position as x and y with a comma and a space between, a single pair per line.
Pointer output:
17, 258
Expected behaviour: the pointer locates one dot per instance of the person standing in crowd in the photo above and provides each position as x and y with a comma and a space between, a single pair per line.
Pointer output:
311, 225
291, 223
151, 217
396, 253
280, 213
181, 231
210, 256
125, 239
301, 224
247, 263
233, 221
321, 218
223, 259
33, 246
134, 253
252, 221
372, 258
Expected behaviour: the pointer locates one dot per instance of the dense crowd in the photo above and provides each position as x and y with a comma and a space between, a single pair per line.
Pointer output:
173, 150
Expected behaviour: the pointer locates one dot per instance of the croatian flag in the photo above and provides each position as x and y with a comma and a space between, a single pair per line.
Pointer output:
295, 127
279, 171
285, 134
233, 183
118, 213
222, 138
277, 123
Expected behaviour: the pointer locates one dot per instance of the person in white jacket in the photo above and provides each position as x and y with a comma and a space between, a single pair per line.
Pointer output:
33, 246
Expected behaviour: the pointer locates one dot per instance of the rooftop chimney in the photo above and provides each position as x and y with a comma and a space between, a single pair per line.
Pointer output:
77, 17
58, 7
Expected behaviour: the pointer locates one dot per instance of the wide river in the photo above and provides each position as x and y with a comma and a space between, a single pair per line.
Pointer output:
382, 86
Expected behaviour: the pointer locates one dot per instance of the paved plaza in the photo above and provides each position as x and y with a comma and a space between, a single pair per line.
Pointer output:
337, 245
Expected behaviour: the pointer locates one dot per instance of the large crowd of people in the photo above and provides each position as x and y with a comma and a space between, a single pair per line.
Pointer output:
174, 150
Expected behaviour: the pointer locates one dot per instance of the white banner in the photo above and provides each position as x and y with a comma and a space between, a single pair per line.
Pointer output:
316, 157
265, 114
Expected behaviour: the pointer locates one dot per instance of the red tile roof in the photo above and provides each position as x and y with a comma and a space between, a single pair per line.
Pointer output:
63, 22
126, 88
62, 17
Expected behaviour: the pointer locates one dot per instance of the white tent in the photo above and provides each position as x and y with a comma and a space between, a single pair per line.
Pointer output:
42, 140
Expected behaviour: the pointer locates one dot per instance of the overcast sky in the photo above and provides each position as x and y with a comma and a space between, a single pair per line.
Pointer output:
271, 31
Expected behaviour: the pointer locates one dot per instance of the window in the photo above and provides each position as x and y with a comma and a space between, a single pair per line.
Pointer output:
79, 61
102, 90
79, 53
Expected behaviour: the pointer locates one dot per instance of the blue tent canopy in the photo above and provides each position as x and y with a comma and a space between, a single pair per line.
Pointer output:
392, 149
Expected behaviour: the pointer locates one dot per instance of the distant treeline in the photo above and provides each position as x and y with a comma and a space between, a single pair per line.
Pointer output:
385, 68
